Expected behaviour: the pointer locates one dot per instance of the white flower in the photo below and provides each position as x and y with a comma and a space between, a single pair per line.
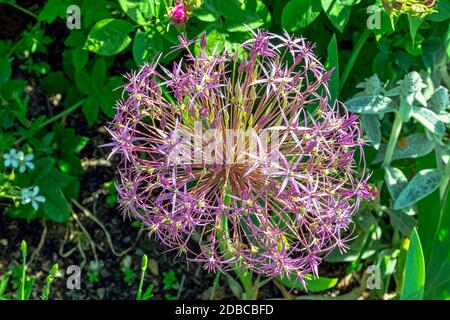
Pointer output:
31, 195
11, 158
25, 161
19, 160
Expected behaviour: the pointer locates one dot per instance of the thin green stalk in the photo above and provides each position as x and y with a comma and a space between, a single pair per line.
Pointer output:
355, 264
24, 269
355, 53
20, 8
215, 285
141, 281
48, 281
395, 133
53, 119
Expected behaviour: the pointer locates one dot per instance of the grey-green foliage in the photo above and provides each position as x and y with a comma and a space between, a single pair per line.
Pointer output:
406, 98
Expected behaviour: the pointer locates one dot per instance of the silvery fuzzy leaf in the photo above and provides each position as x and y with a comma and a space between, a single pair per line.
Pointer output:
402, 222
393, 92
444, 117
371, 126
429, 120
395, 180
421, 98
417, 146
439, 101
421, 185
370, 105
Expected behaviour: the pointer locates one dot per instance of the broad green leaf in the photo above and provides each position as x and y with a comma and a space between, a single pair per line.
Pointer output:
371, 127
146, 45
90, 110
414, 281
298, 14
80, 57
55, 83
429, 120
443, 11
370, 105
414, 25
338, 11
109, 37
421, 185
438, 275
413, 146
312, 285
5, 70
83, 82
56, 207
138, 10
53, 9
333, 62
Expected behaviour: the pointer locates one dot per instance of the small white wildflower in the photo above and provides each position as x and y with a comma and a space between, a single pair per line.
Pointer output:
31, 195
11, 158
25, 161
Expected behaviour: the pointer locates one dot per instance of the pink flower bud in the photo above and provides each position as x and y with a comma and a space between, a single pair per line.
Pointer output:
178, 14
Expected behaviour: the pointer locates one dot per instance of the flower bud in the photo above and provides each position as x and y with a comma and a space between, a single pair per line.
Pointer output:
178, 14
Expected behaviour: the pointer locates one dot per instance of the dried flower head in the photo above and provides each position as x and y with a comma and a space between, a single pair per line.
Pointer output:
242, 152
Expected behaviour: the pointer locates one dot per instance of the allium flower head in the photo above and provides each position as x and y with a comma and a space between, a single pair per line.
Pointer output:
416, 8
178, 14
244, 154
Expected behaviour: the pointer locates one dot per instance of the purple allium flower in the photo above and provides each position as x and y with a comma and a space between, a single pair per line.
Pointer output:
243, 153
178, 14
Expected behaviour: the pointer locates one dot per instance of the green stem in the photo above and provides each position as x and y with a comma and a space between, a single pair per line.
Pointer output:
24, 269
141, 281
355, 53
395, 133
20, 8
51, 120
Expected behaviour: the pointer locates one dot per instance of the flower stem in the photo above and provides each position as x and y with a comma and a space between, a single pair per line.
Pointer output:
20, 8
141, 281
355, 53
395, 133
51, 120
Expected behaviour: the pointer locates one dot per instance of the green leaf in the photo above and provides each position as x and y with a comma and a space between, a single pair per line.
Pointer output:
298, 14
138, 10
56, 207
5, 70
437, 276
421, 185
414, 281
52, 10
414, 25
429, 120
80, 57
338, 11
443, 11
83, 82
109, 37
90, 110
146, 45
371, 105
333, 62
312, 285
56, 82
